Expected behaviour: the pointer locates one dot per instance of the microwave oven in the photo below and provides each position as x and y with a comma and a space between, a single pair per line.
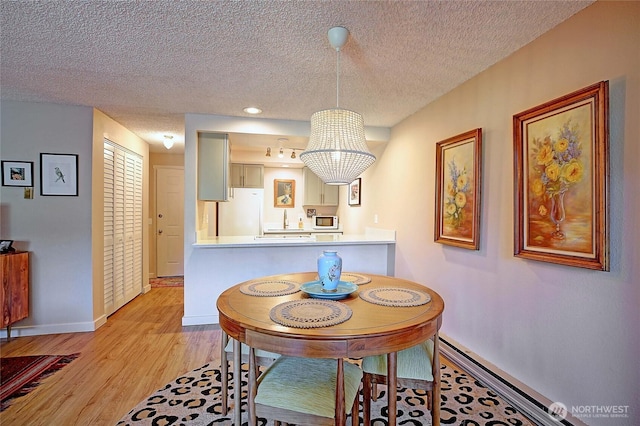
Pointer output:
325, 222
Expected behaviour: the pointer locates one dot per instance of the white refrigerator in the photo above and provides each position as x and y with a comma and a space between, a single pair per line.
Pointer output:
242, 215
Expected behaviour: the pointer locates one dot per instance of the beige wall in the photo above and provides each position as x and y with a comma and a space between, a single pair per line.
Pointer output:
157, 159
569, 333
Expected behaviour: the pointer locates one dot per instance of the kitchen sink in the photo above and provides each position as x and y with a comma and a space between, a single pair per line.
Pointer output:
285, 237
285, 230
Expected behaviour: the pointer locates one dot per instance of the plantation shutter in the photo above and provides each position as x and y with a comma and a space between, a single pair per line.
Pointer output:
122, 227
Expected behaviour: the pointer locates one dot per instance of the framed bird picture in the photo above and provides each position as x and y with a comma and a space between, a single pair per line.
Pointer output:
59, 174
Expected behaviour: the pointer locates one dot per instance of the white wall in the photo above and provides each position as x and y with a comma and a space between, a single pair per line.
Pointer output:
56, 230
569, 333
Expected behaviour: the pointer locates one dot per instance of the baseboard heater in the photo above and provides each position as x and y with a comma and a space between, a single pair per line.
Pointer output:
527, 401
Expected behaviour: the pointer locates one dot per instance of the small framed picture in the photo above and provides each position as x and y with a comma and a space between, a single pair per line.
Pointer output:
5, 246
458, 184
354, 192
284, 193
59, 174
17, 173
311, 212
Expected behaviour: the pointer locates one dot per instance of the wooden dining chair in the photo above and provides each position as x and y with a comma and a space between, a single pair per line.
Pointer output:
302, 391
415, 370
263, 359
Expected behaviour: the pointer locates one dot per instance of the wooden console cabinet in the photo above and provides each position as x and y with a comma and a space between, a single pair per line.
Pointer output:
14, 293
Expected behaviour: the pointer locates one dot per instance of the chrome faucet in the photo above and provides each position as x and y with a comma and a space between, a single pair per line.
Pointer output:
284, 220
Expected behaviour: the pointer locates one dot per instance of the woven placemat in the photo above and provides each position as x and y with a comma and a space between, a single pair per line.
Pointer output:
270, 287
395, 297
353, 278
310, 313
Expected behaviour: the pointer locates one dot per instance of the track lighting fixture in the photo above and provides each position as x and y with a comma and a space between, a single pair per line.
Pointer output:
281, 152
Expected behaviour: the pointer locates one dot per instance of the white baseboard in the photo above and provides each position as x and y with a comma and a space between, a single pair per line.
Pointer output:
39, 330
200, 320
526, 400
99, 322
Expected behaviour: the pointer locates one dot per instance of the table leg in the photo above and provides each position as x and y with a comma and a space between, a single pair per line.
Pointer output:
237, 381
436, 381
341, 415
392, 385
224, 372
366, 399
253, 390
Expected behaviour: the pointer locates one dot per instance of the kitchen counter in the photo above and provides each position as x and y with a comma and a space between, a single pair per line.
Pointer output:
293, 239
216, 264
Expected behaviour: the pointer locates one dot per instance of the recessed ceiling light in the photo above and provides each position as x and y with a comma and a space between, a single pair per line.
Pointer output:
252, 110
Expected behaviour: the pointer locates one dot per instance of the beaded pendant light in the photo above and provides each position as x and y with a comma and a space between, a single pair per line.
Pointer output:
337, 151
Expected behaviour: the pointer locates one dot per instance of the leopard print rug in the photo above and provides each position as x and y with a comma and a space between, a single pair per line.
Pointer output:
195, 399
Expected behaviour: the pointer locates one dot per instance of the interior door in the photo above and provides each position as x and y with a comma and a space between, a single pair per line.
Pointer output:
169, 221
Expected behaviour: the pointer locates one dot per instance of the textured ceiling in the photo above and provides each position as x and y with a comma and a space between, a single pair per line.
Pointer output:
147, 63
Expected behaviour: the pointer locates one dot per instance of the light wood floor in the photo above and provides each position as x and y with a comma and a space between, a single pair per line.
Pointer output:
141, 348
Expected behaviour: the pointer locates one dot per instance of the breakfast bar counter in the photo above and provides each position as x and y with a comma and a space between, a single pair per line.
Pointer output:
216, 264
293, 239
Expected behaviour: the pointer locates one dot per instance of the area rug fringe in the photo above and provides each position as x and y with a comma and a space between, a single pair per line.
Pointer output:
21, 375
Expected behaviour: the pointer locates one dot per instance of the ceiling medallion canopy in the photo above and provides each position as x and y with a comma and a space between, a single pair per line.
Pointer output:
337, 151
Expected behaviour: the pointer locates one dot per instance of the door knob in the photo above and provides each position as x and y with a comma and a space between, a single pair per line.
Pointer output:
160, 215
159, 231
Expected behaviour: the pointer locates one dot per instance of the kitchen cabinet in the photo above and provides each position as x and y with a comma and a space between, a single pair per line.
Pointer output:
316, 192
247, 175
213, 166
14, 288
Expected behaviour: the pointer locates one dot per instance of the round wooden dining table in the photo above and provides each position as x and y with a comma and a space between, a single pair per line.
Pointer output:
372, 329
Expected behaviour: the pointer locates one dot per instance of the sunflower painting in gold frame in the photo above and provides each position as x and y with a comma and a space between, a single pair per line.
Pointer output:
561, 168
458, 184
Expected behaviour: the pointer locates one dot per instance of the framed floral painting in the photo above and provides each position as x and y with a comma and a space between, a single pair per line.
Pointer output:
284, 193
561, 168
458, 183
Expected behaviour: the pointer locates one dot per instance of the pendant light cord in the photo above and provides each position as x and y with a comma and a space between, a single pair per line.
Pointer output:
338, 78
